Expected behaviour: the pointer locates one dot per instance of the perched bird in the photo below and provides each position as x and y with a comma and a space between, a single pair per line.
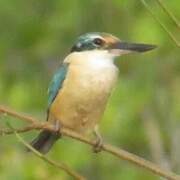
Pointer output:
80, 88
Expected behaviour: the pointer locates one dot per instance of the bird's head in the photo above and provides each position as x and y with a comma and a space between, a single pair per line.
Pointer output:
107, 43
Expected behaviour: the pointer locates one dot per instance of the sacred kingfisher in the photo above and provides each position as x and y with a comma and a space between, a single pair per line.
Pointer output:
80, 88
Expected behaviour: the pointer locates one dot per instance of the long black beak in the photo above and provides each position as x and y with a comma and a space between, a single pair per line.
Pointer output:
132, 47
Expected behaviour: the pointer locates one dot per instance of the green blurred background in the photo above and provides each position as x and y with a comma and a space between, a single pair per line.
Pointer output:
143, 114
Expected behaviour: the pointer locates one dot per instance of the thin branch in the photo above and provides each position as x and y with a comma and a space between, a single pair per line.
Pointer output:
20, 130
5, 111
172, 37
122, 154
169, 13
61, 166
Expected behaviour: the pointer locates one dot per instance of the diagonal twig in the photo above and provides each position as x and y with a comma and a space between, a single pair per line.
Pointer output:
61, 166
172, 37
169, 13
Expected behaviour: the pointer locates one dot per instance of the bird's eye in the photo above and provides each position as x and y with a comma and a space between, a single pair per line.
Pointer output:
98, 42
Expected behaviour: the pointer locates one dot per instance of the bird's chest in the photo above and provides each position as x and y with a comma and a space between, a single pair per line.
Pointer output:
81, 102
92, 85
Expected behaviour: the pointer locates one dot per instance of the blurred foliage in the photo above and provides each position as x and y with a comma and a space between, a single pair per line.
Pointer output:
36, 35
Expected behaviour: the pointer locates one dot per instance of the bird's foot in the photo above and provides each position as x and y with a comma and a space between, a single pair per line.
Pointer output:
57, 128
99, 141
98, 145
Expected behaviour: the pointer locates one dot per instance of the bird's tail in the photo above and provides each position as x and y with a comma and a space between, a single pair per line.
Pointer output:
44, 141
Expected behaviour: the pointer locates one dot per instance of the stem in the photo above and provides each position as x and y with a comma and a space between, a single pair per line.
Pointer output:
172, 37
169, 13
61, 166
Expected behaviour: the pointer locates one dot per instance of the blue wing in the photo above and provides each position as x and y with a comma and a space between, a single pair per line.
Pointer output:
56, 83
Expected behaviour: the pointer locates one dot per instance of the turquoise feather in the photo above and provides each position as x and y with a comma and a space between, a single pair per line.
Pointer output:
56, 83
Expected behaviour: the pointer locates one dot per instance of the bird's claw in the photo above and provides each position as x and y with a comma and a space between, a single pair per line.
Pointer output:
99, 141
98, 145
57, 128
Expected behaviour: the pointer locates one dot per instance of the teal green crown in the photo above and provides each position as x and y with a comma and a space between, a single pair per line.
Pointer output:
90, 41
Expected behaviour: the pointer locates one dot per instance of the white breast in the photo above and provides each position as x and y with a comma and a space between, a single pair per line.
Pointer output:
80, 104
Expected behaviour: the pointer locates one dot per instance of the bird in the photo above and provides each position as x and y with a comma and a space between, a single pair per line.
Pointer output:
79, 90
